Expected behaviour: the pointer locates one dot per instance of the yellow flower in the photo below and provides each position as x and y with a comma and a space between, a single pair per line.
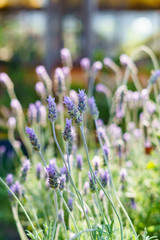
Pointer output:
151, 165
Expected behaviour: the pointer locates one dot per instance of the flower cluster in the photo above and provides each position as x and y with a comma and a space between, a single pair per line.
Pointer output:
33, 139
52, 112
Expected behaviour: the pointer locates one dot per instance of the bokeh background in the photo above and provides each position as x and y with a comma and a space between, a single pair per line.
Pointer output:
32, 32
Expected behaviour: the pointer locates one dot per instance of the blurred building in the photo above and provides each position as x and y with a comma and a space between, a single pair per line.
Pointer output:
33, 31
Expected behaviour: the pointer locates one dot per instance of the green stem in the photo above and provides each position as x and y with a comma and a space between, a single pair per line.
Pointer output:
26, 214
91, 170
18, 224
86, 230
114, 190
56, 205
76, 190
74, 222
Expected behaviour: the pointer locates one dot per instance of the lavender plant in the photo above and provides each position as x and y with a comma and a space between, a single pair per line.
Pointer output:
66, 195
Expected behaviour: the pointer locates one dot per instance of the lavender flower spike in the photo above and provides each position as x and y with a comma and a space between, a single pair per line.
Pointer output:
93, 108
72, 110
24, 170
52, 177
154, 77
33, 139
52, 112
67, 134
9, 179
81, 101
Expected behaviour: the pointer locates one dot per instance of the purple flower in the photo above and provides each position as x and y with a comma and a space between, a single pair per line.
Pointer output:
66, 57
92, 182
9, 179
24, 170
40, 88
137, 133
33, 139
67, 134
150, 107
85, 64
154, 77
52, 112
97, 66
123, 175
119, 113
131, 126
59, 80
105, 149
70, 204
16, 189
86, 187
60, 216
65, 172
79, 162
40, 70
108, 62
66, 71
126, 137
2, 150
62, 180
93, 108
72, 110
38, 170
133, 204
52, 177
82, 101
105, 178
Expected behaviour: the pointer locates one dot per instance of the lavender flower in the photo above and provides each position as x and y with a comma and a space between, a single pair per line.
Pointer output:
123, 175
62, 180
70, 204
66, 57
82, 102
79, 162
126, 137
150, 107
85, 64
101, 195
105, 149
86, 187
105, 178
137, 133
17, 189
96, 162
96, 67
154, 77
92, 182
33, 139
38, 170
60, 216
9, 179
65, 172
67, 134
72, 110
2, 150
52, 112
59, 84
131, 126
93, 108
52, 177
133, 204
40, 88
24, 170
12, 123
